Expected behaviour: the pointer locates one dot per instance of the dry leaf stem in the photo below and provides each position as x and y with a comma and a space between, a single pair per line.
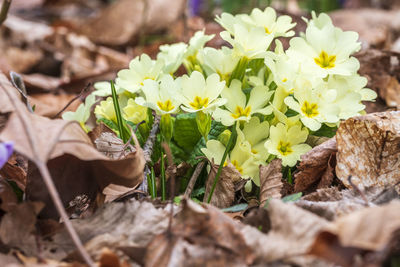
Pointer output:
4, 10
84, 90
193, 179
44, 171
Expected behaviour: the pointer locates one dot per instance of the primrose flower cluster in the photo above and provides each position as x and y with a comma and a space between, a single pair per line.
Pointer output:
270, 100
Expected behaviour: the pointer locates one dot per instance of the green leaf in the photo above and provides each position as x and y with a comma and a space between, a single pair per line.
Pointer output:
198, 192
216, 129
110, 124
292, 197
236, 208
186, 134
326, 131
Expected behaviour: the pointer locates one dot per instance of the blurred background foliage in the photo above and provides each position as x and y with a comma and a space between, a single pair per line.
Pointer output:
243, 6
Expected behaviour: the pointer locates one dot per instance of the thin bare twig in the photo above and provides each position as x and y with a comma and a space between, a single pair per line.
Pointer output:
84, 90
355, 187
148, 150
4, 10
193, 179
170, 161
44, 171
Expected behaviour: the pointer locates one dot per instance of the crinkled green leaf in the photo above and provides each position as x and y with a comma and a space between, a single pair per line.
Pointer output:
186, 134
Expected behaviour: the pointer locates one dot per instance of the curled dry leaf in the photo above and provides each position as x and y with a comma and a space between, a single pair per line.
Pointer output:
369, 150
314, 168
200, 236
224, 193
128, 225
368, 229
270, 181
63, 143
382, 68
49, 105
292, 232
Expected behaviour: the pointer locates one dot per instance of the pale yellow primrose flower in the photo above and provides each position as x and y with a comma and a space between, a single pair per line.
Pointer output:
161, 96
173, 56
140, 69
104, 89
196, 43
106, 110
319, 21
315, 106
287, 143
325, 51
199, 94
267, 20
240, 157
256, 133
220, 61
227, 21
133, 112
249, 43
82, 113
236, 107
350, 92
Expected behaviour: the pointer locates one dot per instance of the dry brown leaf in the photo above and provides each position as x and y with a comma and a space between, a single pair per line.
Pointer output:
200, 236
15, 171
369, 150
331, 203
130, 224
18, 225
368, 229
49, 105
315, 168
270, 181
382, 69
224, 193
64, 143
8, 198
292, 232
119, 27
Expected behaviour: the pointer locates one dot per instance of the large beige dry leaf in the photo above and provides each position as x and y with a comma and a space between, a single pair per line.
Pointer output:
49, 105
292, 232
368, 229
224, 193
130, 224
369, 149
122, 22
200, 236
270, 181
64, 143
314, 167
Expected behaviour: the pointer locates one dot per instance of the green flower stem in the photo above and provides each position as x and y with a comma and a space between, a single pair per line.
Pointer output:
203, 121
153, 189
121, 126
240, 70
221, 165
163, 182
167, 127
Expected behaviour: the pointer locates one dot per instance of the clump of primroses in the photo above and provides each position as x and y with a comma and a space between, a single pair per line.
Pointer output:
271, 100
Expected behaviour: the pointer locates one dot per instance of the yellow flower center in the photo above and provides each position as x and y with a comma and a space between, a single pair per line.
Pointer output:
310, 110
267, 31
325, 61
284, 80
199, 103
239, 112
237, 166
254, 151
166, 106
285, 148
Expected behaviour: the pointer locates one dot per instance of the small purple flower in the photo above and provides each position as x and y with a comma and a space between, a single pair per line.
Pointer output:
194, 7
6, 150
